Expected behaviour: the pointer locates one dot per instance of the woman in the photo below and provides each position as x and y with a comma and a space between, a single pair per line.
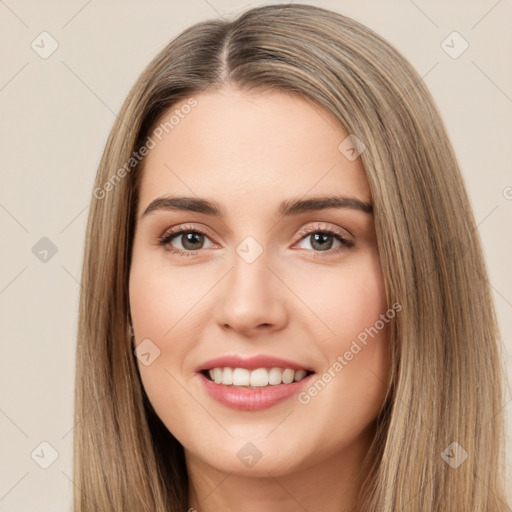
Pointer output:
284, 304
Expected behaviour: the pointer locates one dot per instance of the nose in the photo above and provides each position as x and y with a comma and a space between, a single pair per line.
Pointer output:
251, 298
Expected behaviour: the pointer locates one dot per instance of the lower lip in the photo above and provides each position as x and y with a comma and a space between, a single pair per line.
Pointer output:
252, 399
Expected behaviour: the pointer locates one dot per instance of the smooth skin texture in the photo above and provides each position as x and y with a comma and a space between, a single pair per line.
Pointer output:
300, 299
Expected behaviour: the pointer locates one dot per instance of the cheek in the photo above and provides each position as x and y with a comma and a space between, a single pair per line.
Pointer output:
346, 300
160, 296
162, 308
358, 306
351, 389
154, 310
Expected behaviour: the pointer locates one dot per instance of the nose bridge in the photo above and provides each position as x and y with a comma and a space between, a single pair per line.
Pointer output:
251, 296
250, 280
250, 266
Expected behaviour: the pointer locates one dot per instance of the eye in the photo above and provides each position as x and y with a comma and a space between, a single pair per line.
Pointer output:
190, 238
321, 240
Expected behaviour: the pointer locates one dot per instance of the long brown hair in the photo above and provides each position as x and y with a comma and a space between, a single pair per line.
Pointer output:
446, 377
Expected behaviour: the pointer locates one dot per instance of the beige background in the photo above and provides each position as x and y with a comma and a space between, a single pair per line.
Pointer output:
56, 114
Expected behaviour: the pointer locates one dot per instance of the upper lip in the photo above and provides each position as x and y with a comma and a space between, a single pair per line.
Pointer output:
251, 363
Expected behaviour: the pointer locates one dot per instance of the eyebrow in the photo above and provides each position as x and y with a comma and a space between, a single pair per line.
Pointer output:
287, 208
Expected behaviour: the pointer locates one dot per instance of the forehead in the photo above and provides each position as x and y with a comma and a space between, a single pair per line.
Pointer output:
240, 146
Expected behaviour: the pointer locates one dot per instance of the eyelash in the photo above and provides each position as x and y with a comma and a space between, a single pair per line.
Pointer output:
168, 236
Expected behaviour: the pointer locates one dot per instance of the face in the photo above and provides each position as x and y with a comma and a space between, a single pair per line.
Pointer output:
267, 284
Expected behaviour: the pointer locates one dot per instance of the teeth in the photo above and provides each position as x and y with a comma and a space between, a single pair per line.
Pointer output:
227, 376
288, 376
241, 377
274, 376
217, 375
258, 378
299, 375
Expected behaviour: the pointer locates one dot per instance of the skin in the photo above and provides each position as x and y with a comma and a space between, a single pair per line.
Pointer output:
249, 151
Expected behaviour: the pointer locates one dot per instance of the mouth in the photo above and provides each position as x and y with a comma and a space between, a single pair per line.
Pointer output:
253, 389
237, 377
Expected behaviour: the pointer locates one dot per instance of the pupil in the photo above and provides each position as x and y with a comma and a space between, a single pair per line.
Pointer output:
322, 238
189, 239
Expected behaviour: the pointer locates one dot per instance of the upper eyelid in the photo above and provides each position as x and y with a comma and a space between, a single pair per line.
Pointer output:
337, 230
178, 230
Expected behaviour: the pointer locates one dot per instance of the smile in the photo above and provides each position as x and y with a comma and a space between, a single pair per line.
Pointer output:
257, 378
